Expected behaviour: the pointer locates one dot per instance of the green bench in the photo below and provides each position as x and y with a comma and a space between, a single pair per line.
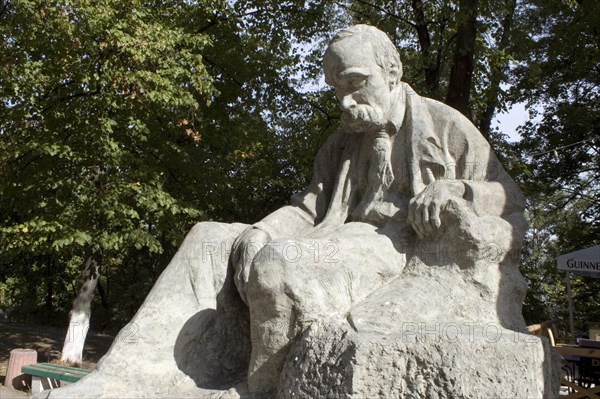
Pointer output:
48, 375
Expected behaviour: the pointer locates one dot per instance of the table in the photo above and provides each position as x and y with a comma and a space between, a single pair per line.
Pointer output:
574, 350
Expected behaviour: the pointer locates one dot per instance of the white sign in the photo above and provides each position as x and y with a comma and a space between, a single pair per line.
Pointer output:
585, 262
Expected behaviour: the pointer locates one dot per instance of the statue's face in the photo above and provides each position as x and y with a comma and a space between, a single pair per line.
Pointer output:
361, 86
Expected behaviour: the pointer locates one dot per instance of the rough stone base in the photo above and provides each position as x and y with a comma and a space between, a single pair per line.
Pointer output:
444, 361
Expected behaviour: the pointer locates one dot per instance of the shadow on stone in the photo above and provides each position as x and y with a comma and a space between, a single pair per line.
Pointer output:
213, 346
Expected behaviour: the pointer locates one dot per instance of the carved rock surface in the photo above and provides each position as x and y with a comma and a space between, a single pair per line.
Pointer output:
435, 332
331, 360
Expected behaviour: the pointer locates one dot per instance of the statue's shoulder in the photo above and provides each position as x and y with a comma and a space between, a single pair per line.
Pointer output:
338, 134
444, 116
336, 140
444, 113
333, 146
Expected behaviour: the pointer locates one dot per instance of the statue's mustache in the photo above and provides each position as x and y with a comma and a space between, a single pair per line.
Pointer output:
362, 113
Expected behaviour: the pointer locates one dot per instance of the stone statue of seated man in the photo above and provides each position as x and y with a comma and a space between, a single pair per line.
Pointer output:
409, 217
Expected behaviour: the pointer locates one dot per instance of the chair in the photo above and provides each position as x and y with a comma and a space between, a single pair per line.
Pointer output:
549, 329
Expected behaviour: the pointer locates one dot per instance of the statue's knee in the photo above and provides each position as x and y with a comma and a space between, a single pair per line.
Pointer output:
205, 229
269, 268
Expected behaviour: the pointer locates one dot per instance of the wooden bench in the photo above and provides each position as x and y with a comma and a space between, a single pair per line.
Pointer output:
48, 375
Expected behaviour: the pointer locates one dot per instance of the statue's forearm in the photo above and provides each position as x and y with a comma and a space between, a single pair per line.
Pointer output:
288, 221
494, 198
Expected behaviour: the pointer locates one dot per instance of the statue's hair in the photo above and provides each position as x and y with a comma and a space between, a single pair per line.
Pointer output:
385, 53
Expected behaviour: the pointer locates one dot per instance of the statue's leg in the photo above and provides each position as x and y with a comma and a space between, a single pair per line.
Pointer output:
150, 354
295, 282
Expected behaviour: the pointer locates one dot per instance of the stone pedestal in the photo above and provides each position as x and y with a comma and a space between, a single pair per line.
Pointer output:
436, 332
19, 358
434, 362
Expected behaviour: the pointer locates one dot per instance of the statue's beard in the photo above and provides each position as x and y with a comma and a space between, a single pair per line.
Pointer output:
363, 118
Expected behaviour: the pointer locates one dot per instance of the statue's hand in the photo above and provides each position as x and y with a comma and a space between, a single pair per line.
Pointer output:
425, 209
244, 249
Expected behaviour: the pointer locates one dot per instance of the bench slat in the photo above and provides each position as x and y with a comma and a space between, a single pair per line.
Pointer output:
49, 367
42, 367
54, 371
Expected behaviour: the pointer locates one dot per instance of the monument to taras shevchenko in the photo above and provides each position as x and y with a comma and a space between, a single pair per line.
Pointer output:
393, 274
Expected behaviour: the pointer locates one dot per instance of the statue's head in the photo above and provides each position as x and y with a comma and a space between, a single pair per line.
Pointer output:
363, 66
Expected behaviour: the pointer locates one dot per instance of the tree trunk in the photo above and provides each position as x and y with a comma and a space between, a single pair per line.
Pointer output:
49, 288
432, 70
489, 109
461, 74
79, 317
103, 296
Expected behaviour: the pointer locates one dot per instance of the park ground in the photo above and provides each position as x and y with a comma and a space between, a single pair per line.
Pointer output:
48, 342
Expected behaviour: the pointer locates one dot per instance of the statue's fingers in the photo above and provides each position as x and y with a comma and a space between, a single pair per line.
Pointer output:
236, 256
425, 222
235, 249
434, 214
246, 268
249, 255
415, 217
419, 231
414, 224
411, 211
240, 279
418, 224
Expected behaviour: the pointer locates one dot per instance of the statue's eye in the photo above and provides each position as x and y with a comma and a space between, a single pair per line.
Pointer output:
357, 81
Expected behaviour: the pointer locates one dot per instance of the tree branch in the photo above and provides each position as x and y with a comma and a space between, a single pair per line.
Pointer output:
383, 10
4, 7
71, 97
216, 20
222, 69
316, 105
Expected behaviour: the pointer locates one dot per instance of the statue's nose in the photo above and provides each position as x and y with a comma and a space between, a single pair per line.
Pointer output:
347, 102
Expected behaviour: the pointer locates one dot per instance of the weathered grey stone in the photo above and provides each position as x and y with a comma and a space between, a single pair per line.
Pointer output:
431, 333
384, 278
331, 360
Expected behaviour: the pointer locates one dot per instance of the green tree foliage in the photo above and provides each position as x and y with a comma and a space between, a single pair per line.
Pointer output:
96, 134
258, 140
559, 78
123, 124
557, 226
